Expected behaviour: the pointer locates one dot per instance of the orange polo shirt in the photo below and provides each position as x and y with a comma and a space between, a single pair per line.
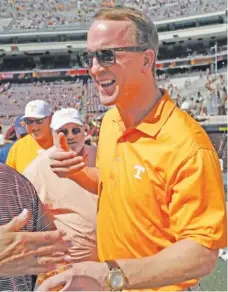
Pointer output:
160, 182
22, 153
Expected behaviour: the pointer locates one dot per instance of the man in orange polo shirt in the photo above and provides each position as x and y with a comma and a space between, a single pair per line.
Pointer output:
161, 215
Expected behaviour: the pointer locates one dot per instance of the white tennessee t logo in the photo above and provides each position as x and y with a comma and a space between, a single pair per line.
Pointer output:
139, 169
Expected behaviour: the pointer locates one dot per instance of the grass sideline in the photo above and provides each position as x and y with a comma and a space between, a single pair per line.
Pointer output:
217, 280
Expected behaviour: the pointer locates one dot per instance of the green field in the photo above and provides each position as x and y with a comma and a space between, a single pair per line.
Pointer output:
217, 280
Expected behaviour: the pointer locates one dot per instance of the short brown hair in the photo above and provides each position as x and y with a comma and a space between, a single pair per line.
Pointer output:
146, 32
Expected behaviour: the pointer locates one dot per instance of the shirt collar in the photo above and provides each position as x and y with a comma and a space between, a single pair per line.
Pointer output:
155, 119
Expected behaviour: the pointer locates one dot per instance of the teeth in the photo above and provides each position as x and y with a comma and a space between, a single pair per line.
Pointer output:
106, 82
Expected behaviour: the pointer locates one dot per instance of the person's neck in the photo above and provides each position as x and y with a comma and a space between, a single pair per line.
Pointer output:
46, 143
138, 106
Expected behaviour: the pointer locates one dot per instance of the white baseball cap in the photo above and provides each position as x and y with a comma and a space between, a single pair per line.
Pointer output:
37, 109
65, 116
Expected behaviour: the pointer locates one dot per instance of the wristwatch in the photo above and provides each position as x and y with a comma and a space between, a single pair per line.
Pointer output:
116, 279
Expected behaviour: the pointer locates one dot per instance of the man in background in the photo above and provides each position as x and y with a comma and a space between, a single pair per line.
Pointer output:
20, 132
37, 119
73, 208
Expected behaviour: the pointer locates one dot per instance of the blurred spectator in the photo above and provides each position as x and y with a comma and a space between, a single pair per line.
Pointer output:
34, 15
73, 208
20, 130
1, 136
37, 119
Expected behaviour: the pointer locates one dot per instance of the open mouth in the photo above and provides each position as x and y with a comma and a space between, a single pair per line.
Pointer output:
35, 131
71, 143
107, 83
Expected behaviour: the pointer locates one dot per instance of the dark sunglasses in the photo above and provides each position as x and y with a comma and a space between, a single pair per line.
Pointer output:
75, 131
105, 57
37, 122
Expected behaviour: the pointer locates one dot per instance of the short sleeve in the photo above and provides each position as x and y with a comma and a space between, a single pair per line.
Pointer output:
197, 206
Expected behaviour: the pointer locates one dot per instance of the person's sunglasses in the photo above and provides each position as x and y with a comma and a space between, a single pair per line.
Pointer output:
105, 57
75, 131
37, 121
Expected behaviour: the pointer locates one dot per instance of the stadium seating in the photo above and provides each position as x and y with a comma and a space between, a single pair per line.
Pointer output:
18, 15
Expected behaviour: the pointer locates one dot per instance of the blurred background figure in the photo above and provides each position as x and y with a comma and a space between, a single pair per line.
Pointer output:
20, 131
73, 208
37, 119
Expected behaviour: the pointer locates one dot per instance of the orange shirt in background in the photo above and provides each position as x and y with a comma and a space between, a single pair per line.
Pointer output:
22, 153
160, 182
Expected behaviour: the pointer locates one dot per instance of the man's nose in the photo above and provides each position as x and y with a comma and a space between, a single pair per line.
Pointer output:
96, 67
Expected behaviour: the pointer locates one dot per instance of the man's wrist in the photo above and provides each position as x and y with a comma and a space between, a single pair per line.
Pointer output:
76, 174
105, 274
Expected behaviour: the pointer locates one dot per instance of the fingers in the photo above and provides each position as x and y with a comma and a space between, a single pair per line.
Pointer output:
17, 222
72, 161
61, 279
63, 142
42, 238
49, 250
65, 168
59, 155
68, 167
42, 261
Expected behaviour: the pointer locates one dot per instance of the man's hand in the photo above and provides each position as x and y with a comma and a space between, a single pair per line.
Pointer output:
85, 276
29, 253
63, 161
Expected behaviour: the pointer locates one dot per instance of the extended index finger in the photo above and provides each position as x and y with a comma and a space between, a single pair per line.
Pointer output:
42, 238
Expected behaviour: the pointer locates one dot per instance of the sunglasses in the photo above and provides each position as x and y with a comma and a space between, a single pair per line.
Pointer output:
37, 121
105, 57
75, 131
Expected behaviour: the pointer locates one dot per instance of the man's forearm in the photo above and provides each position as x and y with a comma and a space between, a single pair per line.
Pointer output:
182, 261
88, 178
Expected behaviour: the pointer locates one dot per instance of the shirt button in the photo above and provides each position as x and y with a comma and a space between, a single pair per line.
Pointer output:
117, 159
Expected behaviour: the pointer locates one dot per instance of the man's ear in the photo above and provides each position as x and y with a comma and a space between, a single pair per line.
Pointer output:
149, 59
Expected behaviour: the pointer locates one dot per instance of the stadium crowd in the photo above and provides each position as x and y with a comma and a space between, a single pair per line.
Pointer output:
204, 96
33, 15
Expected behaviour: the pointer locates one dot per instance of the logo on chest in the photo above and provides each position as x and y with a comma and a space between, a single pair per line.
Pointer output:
139, 170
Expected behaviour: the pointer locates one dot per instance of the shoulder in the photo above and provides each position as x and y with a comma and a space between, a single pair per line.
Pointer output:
39, 164
185, 141
186, 133
13, 180
23, 141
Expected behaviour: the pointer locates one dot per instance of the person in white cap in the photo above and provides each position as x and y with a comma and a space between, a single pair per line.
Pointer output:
37, 118
73, 208
68, 121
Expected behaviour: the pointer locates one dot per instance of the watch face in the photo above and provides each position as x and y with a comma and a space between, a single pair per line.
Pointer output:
117, 280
